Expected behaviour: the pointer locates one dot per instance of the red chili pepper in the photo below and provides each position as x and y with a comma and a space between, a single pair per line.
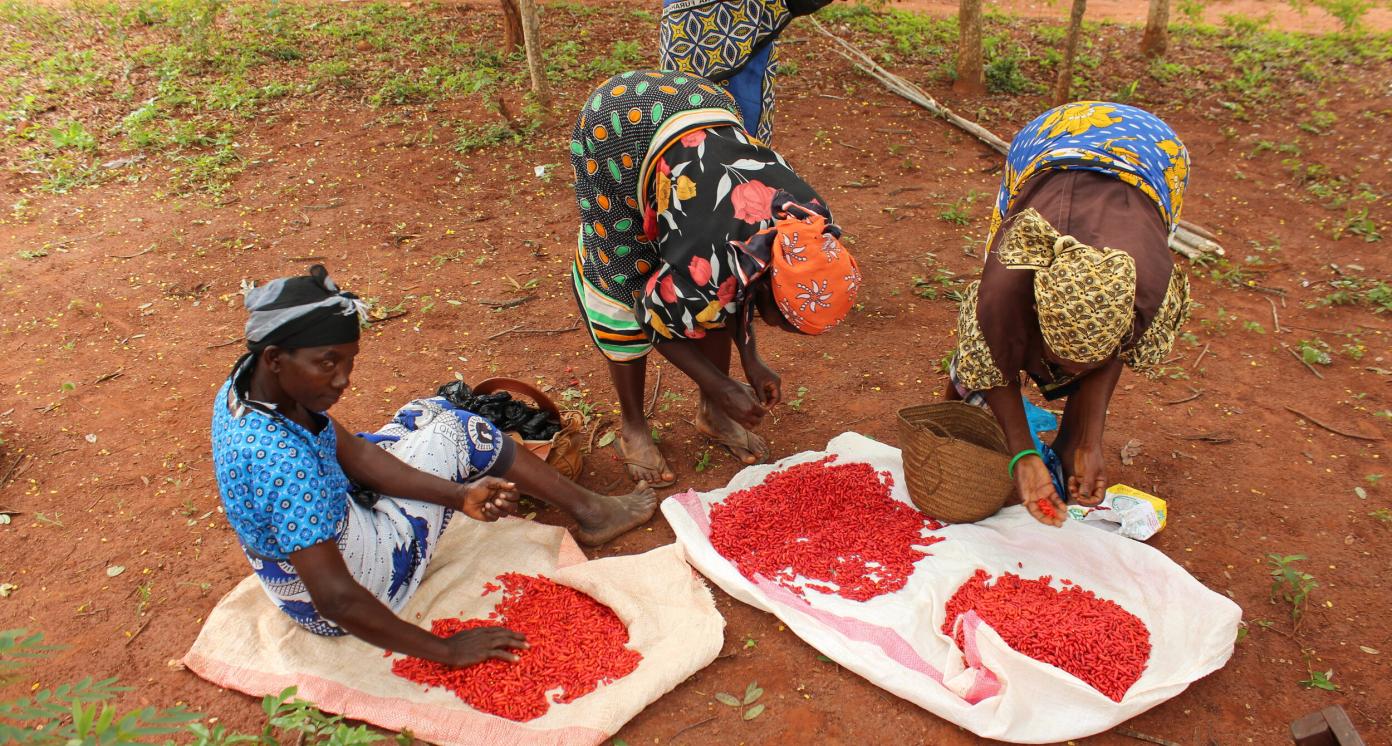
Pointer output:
827, 523
575, 644
1046, 507
1091, 638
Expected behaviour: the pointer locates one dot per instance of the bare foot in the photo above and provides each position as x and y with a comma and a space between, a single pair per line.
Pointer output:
742, 444
617, 514
643, 459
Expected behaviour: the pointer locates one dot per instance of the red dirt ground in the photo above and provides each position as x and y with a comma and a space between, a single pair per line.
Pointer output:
119, 467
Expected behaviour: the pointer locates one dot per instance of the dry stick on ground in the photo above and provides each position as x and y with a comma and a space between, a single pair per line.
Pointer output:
1331, 428
1200, 358
1197, 393
1188, 239
1063, 86
388, 317
225, 344
1139, 736
519, 330
109, 376
686, 728
657, 390
1297, 356
5, 480
305, 258
146, 250
501, 304
1275, 319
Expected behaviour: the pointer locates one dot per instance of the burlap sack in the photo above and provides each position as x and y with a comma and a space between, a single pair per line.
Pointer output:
249, 645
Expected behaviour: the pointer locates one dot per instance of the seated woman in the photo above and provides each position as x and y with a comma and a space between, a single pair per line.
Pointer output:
339, 531
688, 225
1078, 281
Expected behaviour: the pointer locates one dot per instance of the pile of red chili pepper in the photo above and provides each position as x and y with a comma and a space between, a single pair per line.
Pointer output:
1089, 637
576, 644
829, 523
1046, 508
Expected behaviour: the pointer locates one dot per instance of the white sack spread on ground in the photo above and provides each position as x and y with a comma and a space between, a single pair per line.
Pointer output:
894, 640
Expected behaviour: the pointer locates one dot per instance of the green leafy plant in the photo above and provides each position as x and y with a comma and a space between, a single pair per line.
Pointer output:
1289, 583
703, 462
1321, 680
796, 404
78, 713
83, 712
1314, 352
752, 693
942, 284
1382, 515
573, 398
959, 212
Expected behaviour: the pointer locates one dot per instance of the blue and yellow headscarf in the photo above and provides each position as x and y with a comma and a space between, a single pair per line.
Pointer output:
1123, 141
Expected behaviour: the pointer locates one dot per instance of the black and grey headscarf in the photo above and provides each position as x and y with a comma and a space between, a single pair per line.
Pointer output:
304, 311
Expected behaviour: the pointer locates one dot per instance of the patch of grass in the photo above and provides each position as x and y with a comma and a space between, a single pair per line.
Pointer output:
471, 137
959, 212
943, 284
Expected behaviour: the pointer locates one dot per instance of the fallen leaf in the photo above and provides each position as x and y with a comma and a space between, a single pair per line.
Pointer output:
175, 664
753, 712
752, 694
605, 439
4, 519
727, 699
1130, 451
90, 437
7, 588
1368, 650
1362, 493
115, 570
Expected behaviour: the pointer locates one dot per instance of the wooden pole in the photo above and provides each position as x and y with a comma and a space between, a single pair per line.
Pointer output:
531, 34
1063, 87
1156, 38
971, 73
512, 27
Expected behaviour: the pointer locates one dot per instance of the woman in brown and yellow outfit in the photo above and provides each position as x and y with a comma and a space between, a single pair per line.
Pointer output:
1078, 281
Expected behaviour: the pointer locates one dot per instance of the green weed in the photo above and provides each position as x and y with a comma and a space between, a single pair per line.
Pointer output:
1314, 352
1290, 584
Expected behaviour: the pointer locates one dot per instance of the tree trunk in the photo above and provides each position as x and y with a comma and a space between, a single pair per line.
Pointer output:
971, 76
1157, 29
512, 27
531, 34
1063, 87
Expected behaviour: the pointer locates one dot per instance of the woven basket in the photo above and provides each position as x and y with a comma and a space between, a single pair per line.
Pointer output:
956, 464
562, 451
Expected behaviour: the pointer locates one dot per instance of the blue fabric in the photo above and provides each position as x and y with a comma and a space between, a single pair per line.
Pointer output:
281, 486
1042, 421
747, 88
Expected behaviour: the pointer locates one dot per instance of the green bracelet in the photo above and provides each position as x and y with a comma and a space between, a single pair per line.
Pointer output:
1020, 455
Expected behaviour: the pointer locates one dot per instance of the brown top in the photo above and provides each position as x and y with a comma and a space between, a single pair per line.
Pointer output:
1095, 209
